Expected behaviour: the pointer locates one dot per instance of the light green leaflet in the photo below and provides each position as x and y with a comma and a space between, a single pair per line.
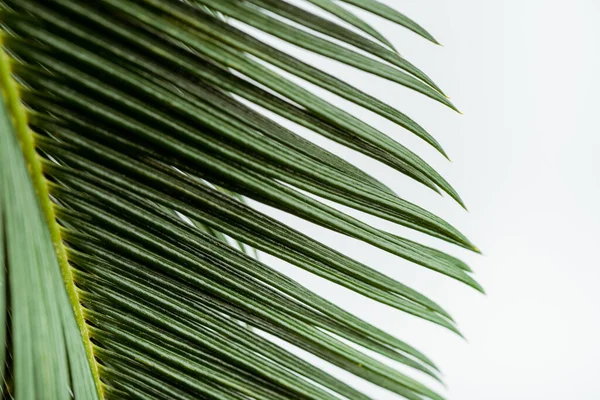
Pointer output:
46, 351
147, 148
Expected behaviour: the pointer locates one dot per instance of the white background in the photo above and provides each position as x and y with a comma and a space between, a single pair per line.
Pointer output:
526, 74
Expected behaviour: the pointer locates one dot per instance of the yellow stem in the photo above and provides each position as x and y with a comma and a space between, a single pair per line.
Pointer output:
34, 165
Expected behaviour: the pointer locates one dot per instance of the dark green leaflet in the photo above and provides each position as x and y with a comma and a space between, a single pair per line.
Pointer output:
391, 14
340, 12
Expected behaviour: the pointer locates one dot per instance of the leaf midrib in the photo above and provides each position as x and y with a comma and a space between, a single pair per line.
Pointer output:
10, 89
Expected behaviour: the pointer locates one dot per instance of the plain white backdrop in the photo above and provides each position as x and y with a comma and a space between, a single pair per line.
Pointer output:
526, 75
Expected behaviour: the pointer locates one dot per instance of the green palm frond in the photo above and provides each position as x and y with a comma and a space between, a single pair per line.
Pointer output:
127, 150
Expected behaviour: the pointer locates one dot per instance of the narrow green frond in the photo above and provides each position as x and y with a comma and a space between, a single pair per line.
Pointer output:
133, 138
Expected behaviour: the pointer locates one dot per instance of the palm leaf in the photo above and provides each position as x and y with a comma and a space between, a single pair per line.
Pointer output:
128, 148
